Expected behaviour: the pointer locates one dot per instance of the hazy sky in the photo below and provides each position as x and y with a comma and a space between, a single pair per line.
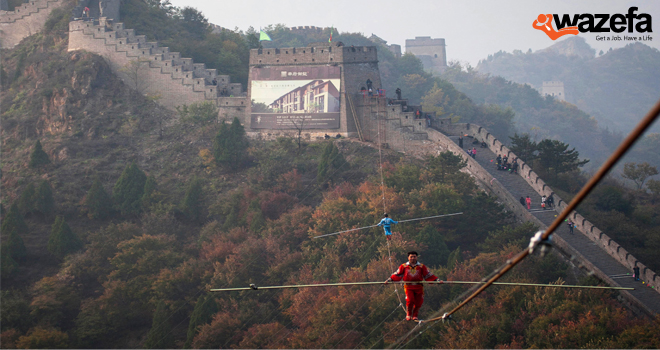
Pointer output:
472, 29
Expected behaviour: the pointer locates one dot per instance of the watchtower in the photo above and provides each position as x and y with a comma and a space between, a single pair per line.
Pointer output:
554, 89
430, 51
309, 88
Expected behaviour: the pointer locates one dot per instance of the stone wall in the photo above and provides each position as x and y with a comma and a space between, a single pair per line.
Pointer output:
358, 64
154, 70
25, 20
583, 225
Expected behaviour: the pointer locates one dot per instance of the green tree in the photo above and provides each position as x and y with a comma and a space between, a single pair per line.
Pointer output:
62, 240
38, 157
97, 201
230, 145
331, 159
26, 200
199, 113
437, 251
654, 187
638, 173
192, 204
203, 313
455, 258
128, 190
7, 268
446, 163
43, 199
524, 147
149, 192
14, 227
160, 334
554, 155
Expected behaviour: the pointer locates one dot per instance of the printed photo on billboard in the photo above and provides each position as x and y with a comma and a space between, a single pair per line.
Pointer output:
305, 97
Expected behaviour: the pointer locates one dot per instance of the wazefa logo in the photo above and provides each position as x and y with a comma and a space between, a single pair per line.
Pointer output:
544, 23
593, 23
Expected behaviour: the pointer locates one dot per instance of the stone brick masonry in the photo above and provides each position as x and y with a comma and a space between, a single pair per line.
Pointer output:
154, 70
621, 260
25, 20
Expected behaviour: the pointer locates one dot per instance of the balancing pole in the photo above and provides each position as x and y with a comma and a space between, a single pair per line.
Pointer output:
254, 287
401, 221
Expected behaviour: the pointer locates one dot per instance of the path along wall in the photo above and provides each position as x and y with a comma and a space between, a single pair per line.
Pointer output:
583, 225
25, 20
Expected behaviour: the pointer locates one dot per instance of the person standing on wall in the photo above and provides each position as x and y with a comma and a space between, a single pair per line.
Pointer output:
522, 201
543, 199
571, 225
529, 203
636, 272
474, 153
460, 141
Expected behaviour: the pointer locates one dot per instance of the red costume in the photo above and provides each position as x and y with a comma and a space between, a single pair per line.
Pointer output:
414, 291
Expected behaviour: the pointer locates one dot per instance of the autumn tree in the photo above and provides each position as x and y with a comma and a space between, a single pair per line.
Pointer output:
38, 157
160, 335
42, 338
203, 313
14, 227
192, 205
97, 202
638, 173
62, 240
128, 190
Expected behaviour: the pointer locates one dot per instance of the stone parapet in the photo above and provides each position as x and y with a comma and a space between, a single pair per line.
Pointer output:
583, 225
25, 20
159, 72
313, 55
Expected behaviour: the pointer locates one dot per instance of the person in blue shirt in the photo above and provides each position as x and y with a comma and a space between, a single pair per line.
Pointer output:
386, 222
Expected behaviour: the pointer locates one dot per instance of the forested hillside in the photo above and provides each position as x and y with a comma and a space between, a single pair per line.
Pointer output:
119, 216
617, 87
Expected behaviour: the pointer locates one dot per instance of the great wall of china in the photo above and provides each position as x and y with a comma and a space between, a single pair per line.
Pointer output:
178, 81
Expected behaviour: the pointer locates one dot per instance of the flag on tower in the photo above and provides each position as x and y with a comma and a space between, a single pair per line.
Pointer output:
331, 30
263, 36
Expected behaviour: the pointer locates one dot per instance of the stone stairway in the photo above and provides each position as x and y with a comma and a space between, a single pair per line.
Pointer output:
177, 79
591, 251
25, 20
27, 9
397, 124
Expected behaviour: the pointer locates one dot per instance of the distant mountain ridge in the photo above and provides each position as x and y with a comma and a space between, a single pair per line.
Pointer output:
575, 46
617, 87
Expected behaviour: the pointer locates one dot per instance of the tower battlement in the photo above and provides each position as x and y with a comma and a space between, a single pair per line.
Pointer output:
313, 55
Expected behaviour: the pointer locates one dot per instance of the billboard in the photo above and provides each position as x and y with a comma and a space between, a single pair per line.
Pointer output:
304, 97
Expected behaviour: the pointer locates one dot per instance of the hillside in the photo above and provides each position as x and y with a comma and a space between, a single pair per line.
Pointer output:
616, 87
182, 211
